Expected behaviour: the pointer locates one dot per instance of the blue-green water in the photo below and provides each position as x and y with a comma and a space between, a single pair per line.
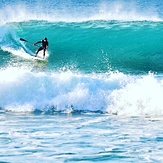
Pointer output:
99, 96
92, 46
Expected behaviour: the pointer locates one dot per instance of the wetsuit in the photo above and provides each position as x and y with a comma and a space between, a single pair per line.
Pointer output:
44, 45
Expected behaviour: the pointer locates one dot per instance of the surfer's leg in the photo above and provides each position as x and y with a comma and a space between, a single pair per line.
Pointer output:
36, 53
41, 48
44, 53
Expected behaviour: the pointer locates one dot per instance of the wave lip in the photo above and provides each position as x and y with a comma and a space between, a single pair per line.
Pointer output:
120, 11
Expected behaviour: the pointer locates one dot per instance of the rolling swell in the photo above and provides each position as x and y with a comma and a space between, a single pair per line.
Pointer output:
96, 46
98, 36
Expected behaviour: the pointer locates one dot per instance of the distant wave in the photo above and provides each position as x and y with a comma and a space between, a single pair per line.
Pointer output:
55, 12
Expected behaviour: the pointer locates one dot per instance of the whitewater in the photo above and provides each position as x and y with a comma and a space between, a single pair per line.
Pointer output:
99, 96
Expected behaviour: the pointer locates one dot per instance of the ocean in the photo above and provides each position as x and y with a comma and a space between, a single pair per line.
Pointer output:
99, 96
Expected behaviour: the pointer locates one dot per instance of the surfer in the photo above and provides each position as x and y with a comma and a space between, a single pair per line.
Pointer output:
43, 47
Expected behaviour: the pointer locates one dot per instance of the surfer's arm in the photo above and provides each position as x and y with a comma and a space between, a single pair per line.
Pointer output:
38, 42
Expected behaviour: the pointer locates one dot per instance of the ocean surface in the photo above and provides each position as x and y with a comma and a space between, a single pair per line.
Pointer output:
99, 98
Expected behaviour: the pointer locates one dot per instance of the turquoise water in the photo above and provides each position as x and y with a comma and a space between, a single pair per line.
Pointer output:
93, 46
99, 96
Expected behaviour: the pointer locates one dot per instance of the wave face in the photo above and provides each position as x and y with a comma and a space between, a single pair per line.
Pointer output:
103, 56
92, 46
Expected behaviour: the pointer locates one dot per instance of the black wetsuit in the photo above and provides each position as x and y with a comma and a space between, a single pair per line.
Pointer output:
43, 47
44, 44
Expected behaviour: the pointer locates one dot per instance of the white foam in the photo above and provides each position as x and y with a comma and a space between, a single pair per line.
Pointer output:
141, 97
116, 93
22, 53
125, 11
117, 10
18, 52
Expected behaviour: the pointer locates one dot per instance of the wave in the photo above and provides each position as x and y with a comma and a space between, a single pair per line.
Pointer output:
98, 46
23, 90
99, 57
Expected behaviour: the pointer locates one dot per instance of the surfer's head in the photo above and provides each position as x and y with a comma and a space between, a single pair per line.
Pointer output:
45, 39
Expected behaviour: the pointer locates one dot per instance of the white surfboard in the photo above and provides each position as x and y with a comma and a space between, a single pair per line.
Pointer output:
39, 59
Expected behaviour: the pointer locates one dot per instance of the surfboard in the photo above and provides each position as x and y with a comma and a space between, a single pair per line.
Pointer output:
38, 59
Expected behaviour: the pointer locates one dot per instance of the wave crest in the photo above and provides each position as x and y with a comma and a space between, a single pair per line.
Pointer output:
121, 11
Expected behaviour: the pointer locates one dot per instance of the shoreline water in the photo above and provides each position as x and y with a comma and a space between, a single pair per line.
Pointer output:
74, 138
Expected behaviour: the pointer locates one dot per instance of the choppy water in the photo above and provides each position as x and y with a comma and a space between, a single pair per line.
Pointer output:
79, 138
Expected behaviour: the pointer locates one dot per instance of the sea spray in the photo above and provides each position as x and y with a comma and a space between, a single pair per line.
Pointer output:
140, 97
114, 93
87, 11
